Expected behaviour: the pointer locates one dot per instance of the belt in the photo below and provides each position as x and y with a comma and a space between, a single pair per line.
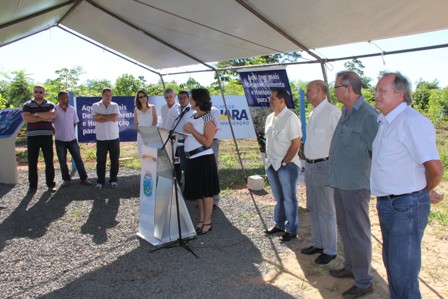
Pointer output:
196, 151
392, 196
316, 161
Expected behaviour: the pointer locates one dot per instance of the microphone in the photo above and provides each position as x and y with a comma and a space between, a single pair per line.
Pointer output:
183, 113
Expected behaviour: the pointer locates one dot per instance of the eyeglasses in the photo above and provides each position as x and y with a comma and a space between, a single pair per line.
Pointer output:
380, 90
141, 97
337, 86
39, 91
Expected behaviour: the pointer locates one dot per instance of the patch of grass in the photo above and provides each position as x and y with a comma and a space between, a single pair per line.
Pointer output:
75, 215
230, 172
131, 163
88, 152
442, 146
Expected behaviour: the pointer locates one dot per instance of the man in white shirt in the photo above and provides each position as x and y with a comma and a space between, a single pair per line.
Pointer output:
283, 137
405, 170
106, 113
169, 111
320, 196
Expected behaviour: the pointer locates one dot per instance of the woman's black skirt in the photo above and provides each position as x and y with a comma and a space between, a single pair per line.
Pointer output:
201, 178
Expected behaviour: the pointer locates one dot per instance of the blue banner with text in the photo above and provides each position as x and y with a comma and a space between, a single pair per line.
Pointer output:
86, 125
259, 83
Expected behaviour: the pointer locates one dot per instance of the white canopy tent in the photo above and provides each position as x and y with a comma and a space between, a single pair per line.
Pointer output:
160, 34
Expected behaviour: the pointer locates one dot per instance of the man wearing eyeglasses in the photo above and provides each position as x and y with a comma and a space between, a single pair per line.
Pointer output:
349, 169
283, 138
406, 168
106, 113
38, 113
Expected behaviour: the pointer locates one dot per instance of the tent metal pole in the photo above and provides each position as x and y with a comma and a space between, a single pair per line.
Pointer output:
163, 81
324, 74
230, 124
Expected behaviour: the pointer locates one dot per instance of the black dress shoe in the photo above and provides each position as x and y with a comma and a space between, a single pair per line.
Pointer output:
341, 273
288, 237
274, 230
355, 292
324, 259
311, 250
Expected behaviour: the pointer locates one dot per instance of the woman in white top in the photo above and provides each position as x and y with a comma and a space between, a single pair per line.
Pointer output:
145, 114
201, 177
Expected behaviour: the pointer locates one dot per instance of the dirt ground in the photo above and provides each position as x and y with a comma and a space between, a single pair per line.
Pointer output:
316, 281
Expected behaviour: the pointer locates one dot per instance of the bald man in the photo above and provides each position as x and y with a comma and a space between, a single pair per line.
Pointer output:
319, 195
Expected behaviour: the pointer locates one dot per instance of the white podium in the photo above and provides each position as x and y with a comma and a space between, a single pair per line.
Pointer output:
158, 222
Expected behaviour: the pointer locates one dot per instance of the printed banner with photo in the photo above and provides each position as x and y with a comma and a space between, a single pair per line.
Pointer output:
257, 84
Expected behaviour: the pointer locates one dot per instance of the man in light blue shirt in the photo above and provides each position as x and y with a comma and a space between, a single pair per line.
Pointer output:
65, 139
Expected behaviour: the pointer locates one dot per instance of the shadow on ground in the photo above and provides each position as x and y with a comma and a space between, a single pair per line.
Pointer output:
226, 268
37, 210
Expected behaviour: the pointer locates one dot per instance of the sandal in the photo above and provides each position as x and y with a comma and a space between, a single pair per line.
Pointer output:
202, 232
198, 228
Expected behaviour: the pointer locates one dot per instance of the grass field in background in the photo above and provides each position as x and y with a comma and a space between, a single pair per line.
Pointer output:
231, 175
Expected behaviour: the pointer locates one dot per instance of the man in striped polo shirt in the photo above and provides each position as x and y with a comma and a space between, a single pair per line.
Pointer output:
38, 113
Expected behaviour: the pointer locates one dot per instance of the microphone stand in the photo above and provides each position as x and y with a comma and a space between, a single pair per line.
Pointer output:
179, 242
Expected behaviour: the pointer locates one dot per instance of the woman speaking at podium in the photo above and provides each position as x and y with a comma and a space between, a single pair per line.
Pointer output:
201, 177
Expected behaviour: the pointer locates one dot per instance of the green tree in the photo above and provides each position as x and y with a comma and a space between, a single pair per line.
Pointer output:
2, 102
190, 84
422, 94
128, 85
19, 90
355, 65
438, 105
52, 88
94, 88
154, 89
4, 87
69, 78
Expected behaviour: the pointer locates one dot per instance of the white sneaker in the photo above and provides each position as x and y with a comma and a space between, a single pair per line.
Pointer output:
114, 185
98, 186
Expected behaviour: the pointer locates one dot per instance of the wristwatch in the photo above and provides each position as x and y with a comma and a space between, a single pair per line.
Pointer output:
284, 163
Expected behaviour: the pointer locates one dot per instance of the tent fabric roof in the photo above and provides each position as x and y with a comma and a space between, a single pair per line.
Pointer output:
168, 33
